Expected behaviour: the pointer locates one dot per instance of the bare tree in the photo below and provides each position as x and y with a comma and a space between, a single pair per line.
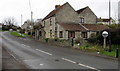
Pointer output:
10, 21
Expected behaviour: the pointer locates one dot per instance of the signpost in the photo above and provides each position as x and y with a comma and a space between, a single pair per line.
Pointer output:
104, 34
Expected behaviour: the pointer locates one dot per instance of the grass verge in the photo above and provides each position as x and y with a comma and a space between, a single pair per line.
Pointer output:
100, 49
19, 34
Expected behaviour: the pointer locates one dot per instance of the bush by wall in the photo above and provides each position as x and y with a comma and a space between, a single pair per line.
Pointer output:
114, 36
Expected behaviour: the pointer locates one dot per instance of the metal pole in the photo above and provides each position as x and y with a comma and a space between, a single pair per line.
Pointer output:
31, 17
104, 45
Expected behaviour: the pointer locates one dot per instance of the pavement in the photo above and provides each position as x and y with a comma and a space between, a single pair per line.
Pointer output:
36, 55
0, 51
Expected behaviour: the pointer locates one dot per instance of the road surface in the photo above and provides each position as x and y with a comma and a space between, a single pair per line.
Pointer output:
36, 55
8, 61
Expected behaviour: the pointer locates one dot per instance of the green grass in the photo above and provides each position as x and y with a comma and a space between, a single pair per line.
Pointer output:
96, 48
113, 53
26, 35
18, 35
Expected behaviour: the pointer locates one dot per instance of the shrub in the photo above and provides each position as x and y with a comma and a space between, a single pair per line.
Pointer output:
29, 33
77, 40
33, 32
56, 39
46, 39
22, 30
115, 37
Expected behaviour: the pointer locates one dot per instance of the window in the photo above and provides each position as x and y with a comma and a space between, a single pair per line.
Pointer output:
50, 21
40, 33
84, 34
55, 28
71, 34
50, 33
97, 33
55, 33
61, 34
81, 20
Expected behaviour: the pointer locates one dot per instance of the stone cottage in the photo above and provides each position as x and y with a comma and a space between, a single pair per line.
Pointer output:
64, 23
26, 26
38, 28
64, 13
75, 30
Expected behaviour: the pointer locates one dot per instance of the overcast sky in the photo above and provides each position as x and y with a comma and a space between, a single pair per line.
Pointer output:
40, 8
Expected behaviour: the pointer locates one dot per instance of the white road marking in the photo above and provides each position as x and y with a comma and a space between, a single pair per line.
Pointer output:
80, 64
25, 60
44, 52
25, 45
41, 64
69, 60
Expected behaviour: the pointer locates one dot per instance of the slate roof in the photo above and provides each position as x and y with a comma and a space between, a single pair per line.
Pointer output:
72, 26
95, 27
81, 10
83, 27
52, 13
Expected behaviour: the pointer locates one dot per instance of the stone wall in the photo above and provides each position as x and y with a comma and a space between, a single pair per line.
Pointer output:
89, 16
49, 27
66, 14
65, 33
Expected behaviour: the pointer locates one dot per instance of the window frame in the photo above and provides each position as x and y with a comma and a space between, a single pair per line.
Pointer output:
50, 33
60, 34
82, 20
84, 35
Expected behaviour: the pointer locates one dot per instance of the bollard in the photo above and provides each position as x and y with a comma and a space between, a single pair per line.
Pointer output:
117, 53
71, 42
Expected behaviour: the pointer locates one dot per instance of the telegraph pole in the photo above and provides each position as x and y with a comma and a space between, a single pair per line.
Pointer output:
21, 20
21, 24
31, 17
109, 28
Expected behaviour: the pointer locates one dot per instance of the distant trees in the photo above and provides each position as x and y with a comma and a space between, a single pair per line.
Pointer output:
9, 21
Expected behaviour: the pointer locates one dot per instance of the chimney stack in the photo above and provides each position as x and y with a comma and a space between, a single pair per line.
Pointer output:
57, 6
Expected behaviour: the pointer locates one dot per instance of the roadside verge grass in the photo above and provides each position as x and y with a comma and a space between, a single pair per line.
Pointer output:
100, 49
19, 34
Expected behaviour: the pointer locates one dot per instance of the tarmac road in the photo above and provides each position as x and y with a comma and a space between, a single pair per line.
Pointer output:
36, 55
